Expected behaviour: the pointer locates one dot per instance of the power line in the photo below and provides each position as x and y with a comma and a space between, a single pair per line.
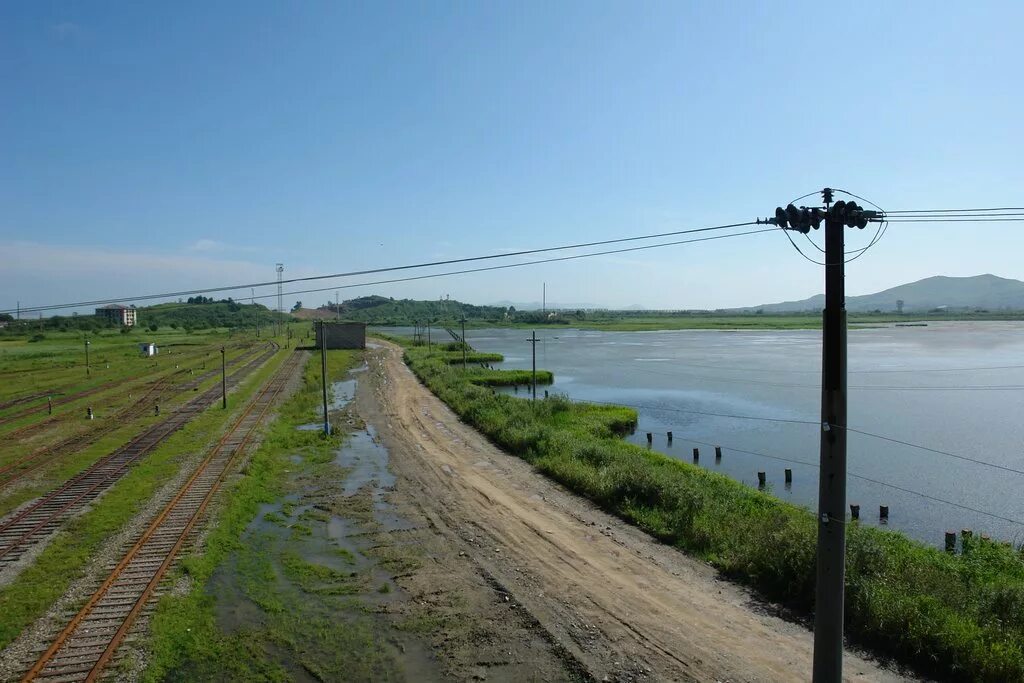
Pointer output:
935, 450
523, 252
526, 263
994, 208
901, 221
871, 480
976, 461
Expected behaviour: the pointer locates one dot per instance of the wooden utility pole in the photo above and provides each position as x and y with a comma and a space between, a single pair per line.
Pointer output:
223, 380
831, 570
323, 376
831, 557
533, 340
464, 342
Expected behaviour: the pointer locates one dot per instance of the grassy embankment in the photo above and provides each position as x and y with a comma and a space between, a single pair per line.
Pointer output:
310, 615
67, 556
957, 616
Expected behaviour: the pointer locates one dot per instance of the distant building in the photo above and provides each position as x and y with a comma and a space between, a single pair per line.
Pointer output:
342, 335
148, 349
118, 314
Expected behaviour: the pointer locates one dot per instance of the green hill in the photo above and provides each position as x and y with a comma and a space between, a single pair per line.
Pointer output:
379, 310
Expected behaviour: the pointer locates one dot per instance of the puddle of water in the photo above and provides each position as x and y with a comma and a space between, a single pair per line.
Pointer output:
366, 460
338, 549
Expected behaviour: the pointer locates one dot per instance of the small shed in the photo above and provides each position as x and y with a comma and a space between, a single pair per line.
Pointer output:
341, 335
148, 349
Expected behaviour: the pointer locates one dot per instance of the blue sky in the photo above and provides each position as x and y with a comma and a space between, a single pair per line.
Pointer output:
157, 147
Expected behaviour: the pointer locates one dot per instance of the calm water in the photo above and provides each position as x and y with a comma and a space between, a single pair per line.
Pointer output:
956, 387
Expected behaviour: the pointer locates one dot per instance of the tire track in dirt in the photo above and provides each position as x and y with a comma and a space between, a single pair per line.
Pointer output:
621, 604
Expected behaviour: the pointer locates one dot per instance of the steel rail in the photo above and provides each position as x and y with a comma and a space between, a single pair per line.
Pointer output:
172, 527
116, 420
37, 521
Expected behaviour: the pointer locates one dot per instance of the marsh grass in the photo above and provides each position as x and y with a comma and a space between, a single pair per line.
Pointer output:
959, 617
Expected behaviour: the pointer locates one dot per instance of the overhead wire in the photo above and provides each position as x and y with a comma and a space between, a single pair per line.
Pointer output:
518, 265
370, 271
862, 477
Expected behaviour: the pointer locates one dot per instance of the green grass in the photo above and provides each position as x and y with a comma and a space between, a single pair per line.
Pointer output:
185, 638
26, 598
955, 616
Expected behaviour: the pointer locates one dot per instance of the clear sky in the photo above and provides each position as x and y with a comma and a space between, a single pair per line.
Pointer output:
155, 146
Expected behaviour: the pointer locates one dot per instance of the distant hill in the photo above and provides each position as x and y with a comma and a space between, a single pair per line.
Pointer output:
985, 292
382, 310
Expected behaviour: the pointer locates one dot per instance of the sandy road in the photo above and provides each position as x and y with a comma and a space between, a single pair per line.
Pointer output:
623, 606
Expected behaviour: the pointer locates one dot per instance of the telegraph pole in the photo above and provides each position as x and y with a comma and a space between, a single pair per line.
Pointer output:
533, 340
88, 371
323, 375
223, 380
463, 342
428, 337
255, 310
831, 559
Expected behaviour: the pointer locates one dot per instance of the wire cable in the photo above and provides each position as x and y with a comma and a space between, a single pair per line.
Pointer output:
428, 264
517, 265
854, 475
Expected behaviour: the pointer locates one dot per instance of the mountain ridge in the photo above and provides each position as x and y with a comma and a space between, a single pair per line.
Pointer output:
944, 292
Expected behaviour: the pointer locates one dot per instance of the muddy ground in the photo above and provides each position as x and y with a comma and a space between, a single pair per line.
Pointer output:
521, 580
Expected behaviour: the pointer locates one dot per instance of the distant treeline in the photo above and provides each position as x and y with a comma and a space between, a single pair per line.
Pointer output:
198, 313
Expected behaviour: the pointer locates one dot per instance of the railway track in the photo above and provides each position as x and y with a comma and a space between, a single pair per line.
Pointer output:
44, 455
4, 405
88, 643
34, 523
25, 430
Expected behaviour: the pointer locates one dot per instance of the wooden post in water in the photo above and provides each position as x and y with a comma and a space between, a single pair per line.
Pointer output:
789, 476
950, 541
854, 511
761, 480
669, 437
650, 438
696, 455
883, 513
718, 454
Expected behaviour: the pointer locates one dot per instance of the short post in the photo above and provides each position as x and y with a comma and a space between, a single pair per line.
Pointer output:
650, 438
49, 405
88, 371
718, 454
669, 437
323, 376
854, 512
156, 410
696, 455
789, 476
950, 541
761, 480
966, 533
88, 413
883, 513
223, 380
545, 394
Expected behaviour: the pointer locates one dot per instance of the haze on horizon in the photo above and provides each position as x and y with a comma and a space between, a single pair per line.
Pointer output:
154, 148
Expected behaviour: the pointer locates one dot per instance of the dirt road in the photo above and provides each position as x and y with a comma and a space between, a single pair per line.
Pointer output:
612, 603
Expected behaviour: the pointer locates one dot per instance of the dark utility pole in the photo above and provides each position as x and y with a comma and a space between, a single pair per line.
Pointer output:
464, 342
323, 376
88, 371
223, 380
533, 340
831, 560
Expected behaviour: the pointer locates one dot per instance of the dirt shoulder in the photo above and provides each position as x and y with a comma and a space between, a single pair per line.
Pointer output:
609, 602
